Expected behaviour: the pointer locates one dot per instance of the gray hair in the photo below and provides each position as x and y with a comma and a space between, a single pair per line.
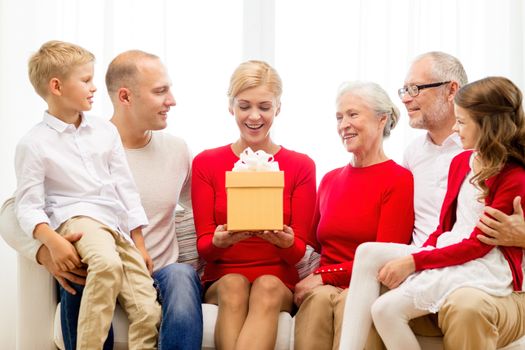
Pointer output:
376, 98
445, 67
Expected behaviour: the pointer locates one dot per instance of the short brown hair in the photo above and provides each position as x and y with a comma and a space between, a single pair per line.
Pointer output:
55, 59
123, 69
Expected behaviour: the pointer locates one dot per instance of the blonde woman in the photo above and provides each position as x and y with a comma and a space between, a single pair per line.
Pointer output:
251, 275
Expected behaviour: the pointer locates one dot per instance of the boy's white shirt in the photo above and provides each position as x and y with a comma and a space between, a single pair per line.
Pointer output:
64, 171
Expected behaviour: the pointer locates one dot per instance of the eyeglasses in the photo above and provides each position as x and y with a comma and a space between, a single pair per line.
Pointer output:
413, 90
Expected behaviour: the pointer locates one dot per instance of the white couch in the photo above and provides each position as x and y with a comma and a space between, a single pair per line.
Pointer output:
38, 328
38, 321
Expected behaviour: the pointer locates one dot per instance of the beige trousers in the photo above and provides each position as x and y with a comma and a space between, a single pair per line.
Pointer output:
116, 270
319, 319
471, 319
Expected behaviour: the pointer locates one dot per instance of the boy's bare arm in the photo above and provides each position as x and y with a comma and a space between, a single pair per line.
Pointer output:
63, 253
138, 239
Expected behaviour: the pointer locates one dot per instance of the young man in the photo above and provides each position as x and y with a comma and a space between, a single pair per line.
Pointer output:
139, 88
73, 176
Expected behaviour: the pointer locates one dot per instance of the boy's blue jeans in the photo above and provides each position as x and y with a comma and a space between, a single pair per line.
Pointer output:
179, 291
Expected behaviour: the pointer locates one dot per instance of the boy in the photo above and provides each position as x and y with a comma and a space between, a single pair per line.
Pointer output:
73, 177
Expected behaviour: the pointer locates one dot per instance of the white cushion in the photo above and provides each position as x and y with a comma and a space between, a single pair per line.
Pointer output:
209, 314
187, 240
285, 332
120, 329
517, 345
309, 262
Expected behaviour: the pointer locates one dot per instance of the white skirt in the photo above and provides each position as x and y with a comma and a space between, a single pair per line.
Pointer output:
430, 288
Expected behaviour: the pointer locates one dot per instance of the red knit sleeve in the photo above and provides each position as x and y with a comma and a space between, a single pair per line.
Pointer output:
504, 187
336, 275
203, 202
302, 209
396, 222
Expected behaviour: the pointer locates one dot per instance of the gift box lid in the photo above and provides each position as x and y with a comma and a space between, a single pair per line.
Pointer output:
255, 179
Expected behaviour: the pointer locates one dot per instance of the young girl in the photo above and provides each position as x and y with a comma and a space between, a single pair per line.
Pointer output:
491, 123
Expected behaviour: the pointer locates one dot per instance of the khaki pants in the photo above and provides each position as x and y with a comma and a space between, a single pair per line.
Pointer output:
116, 269
319, 319
470, 320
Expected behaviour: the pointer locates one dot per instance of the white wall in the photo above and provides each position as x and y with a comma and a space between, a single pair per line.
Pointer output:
314, 44
13, 121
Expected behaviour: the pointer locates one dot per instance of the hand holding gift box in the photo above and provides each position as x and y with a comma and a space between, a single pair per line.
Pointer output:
254, 190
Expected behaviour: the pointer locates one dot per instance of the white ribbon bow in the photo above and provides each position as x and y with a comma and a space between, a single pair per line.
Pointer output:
255, 161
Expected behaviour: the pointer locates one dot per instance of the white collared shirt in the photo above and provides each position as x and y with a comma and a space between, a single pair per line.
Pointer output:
63, 171
429, 164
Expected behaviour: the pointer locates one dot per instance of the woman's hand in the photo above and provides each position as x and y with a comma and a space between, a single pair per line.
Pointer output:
303, 287
396, 271
282, 239
222, 238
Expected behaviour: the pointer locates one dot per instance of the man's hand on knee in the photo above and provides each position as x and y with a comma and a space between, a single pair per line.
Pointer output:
77, 275
304, 286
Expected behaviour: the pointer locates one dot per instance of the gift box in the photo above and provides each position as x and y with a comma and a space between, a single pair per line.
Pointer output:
254, 200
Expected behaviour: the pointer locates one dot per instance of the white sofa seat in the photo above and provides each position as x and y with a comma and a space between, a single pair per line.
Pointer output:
284, 330
209, 312
39, 329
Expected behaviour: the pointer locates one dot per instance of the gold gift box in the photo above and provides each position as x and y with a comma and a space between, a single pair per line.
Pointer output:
254, 200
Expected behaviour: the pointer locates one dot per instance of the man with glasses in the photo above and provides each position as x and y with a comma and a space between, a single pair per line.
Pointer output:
470, 318
413, 90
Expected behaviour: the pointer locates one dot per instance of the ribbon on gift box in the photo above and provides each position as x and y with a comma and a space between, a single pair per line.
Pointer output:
255, 161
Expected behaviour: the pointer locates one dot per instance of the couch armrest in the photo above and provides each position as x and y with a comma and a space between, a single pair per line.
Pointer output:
36, 306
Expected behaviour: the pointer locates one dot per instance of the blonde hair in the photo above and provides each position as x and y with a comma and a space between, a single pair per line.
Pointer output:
376, 98
495, 104
55, 59
123, 70
252, 74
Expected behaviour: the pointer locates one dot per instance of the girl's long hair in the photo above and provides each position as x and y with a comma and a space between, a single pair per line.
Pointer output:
495, 105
